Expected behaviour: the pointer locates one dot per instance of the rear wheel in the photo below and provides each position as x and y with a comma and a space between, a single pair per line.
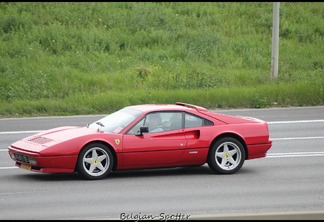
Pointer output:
95, 161
226, 156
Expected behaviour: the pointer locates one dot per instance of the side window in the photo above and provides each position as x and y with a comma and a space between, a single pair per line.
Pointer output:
159, 122
136, 128
165, 121
154, 122
175, 121
195, 121
192, 121
208, 122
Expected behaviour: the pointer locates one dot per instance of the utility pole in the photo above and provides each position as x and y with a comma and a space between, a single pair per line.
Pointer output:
275, 41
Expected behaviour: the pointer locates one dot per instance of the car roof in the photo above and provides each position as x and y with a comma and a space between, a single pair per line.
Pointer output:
179, 106
165, 107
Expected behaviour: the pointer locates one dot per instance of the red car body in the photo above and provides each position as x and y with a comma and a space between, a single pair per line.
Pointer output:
58, 150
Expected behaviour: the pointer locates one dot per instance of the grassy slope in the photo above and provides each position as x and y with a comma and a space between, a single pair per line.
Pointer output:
82, 58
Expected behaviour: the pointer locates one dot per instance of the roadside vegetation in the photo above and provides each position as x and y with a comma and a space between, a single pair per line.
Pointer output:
76, 58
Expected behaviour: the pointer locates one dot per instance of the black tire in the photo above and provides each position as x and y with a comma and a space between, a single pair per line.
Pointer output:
226, 156
95, 161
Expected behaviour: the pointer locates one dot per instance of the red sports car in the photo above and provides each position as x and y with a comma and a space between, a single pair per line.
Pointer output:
146, 136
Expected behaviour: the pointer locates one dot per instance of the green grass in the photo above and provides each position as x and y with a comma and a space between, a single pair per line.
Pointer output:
87, 58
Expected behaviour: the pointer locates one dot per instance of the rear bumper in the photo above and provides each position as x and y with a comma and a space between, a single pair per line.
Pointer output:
258, 150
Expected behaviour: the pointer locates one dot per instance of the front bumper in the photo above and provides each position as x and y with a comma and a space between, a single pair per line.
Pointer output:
37, 163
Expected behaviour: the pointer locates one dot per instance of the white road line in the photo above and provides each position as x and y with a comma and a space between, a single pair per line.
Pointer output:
295, 154
269, 155
8, 168
20, 132
270, 122
297, 121
273, 139
298, 138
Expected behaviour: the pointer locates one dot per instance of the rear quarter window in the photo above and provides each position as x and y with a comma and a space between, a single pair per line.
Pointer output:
196, 121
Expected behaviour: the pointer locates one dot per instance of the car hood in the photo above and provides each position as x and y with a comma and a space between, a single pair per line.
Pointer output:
63, 133
52, 137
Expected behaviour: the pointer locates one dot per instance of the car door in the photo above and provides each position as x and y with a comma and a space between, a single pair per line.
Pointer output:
154, 149
196, 130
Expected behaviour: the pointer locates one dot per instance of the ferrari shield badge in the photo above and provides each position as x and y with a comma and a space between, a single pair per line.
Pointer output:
117, 141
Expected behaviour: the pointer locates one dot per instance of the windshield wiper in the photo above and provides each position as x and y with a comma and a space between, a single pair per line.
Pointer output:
100, 124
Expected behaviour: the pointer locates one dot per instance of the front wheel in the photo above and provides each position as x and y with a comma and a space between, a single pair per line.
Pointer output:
226, 156
95, 161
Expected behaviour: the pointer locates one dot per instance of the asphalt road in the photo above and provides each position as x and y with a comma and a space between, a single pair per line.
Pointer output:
287, 184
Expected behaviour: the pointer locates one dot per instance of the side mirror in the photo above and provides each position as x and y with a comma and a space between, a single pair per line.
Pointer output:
143, 129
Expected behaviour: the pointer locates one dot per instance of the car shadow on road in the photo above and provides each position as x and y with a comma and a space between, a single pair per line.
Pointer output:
48, 176
172, 171
175, 171
155, 172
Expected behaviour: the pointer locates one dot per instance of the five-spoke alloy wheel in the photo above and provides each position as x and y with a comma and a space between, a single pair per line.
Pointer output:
95, 161
226, 156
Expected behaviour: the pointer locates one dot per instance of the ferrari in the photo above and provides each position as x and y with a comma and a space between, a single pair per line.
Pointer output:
143, 137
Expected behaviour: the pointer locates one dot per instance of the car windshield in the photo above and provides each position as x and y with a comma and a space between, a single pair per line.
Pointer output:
117, 121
